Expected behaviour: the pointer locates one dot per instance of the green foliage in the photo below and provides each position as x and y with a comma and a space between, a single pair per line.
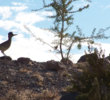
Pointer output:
63, 11
94, 83
79, 46
63, 19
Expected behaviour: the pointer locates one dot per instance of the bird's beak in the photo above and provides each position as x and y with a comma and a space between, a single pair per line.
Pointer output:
14, 34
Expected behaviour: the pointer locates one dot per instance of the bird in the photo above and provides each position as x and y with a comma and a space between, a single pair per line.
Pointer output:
5, 45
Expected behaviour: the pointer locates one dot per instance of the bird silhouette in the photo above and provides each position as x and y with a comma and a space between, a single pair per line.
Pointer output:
5, 45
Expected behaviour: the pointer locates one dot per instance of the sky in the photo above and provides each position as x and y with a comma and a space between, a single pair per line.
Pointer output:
17, 15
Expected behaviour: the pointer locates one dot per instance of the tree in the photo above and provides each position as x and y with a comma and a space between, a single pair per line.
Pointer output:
63, 20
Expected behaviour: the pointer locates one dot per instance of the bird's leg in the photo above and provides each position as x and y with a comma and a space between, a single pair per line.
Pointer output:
3, 53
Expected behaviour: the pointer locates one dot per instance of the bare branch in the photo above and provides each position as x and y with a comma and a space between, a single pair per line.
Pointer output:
39, 39
44, 6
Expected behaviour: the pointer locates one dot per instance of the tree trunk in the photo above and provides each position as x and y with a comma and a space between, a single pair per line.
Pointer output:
69, 49
61, 52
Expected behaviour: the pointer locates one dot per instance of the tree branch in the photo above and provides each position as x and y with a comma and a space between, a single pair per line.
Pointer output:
80, 9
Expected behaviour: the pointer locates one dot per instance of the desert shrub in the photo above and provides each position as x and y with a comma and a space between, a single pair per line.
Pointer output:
93, 84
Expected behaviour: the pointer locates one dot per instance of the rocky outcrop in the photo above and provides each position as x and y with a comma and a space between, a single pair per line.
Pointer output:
24, 60
24, 77
54, 65
108, 57
67, 62
6, 58
85, 58
23, 74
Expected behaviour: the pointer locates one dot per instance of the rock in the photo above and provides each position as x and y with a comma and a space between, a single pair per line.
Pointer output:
107, 61
23, 60
85, 58
6, 58
66, 61
20, 75
54, 65
108, 57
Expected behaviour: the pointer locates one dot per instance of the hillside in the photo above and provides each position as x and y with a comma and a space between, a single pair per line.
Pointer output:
24, 79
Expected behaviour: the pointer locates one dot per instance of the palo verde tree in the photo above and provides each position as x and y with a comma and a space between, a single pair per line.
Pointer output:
63, 20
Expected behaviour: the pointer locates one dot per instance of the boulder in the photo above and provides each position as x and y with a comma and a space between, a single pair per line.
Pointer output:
6, 58
24, 60
66, 61
108, 57
54, 65
85, 58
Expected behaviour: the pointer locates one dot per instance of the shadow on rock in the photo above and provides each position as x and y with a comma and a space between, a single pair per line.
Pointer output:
68, 96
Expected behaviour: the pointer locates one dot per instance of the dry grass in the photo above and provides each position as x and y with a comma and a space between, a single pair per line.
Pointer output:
64, 73
40, 78
4, 82
49, 74
48, 95
25, 70
30, 95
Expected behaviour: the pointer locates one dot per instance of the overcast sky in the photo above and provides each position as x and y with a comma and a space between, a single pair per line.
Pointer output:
16, 15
